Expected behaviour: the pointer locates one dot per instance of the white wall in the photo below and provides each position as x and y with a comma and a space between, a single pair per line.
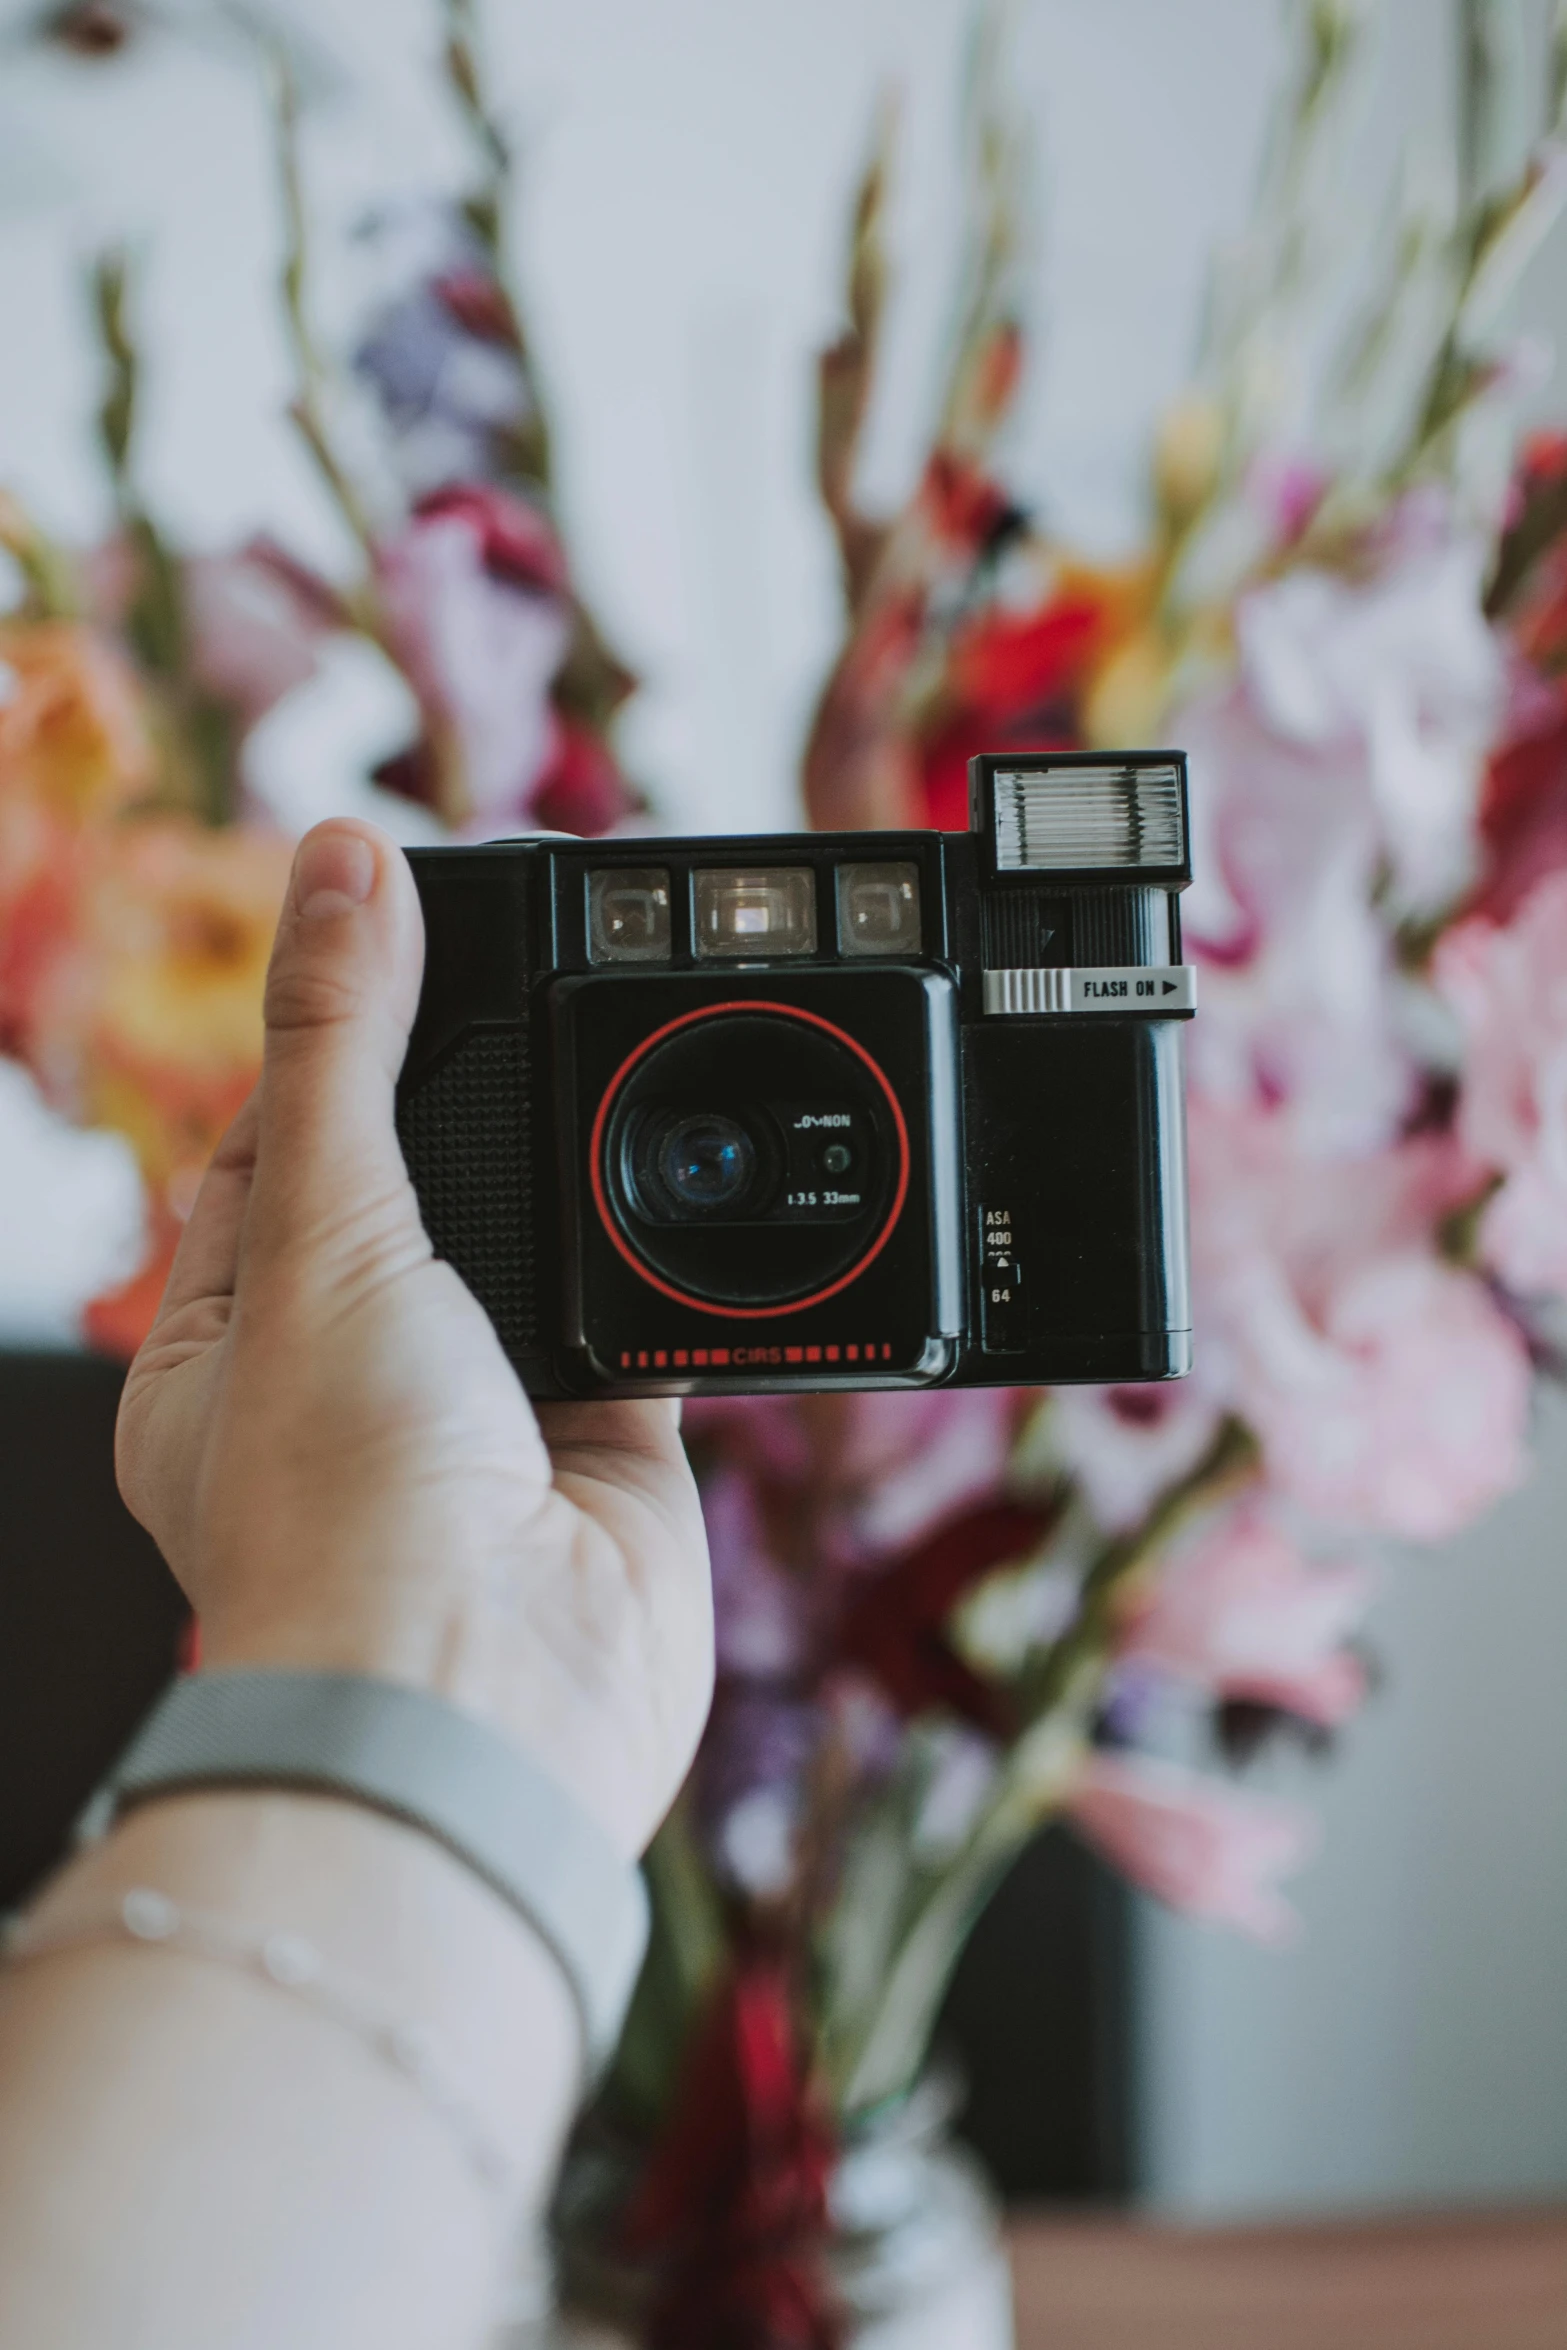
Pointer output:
1413, 2047
688, 171
688, 168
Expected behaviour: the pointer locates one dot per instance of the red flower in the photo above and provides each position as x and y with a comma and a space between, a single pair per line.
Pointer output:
1544, 457
944, 766
895, 1628
734, 2199
517, 542
1012, 662
581, 790
476, 302
963, 504
1523, 819
1014, 680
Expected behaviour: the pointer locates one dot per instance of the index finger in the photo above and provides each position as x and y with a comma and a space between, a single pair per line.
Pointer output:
207, 1258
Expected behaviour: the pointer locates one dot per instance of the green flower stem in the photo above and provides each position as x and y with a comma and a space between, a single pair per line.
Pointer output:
1537, 529
1497, 230
307, 407
195, 730
686, 1951
878, 2057
487, 210
846, 374
117, 409
48, 575
1230, 1461
995, 183
890, 1946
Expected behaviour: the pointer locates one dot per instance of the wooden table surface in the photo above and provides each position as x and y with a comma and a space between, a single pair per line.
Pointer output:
1461, 2283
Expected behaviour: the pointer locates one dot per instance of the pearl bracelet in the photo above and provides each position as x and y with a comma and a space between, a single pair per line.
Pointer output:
289, 1963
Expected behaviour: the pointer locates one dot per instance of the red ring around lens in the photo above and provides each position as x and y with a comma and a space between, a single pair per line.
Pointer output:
682, 1297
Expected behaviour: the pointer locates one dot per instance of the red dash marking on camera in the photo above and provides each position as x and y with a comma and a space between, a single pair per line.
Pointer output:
794, 1354
625, 1362
681, 1358
832, 1354
720, 1356
642, 1360
886, 1354
853, 1353
699, 1357
661, 1359
813, 1354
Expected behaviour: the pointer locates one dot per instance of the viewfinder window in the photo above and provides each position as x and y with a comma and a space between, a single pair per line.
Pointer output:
628, 914
755, 915
879, 909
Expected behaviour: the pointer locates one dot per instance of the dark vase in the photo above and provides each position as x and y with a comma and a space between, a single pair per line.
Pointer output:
90, 1618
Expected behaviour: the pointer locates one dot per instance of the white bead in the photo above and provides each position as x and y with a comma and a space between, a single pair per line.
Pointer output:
410, 2050
290, 1960
150, 1916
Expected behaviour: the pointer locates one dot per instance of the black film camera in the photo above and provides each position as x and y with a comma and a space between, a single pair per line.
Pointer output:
819, 1110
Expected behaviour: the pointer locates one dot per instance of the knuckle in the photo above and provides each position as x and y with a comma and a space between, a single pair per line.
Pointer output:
303, 995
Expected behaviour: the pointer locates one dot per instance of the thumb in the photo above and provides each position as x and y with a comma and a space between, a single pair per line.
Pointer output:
341, 993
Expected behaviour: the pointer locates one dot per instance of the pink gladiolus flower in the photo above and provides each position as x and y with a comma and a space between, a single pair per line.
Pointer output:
1240, 1612
257, 620
1200, 1846
1401, 677
1126, 1445
916, 1459
473, 587
1509, 988
877, 1470
1403, 1410
1351, 743
1389, 1391
1286, 490
256, 617
1297, 1005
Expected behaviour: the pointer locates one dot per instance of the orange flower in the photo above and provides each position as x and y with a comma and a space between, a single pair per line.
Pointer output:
159, 1032
41, 884
73, 750
181, 922
72, 732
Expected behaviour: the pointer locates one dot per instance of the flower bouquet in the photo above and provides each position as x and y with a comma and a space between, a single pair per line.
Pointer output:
165, 717
946, 1619
942, 1619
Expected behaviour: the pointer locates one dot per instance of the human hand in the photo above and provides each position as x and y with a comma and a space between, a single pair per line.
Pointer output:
324, 1437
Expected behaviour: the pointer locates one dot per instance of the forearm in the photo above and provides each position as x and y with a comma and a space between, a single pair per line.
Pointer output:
327, 1442
302, 2191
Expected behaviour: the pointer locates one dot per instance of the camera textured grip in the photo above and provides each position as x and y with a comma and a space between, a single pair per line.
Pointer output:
465, 1132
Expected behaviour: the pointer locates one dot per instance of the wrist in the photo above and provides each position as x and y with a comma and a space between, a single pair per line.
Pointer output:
405, 1754
476, 1648
387, 1908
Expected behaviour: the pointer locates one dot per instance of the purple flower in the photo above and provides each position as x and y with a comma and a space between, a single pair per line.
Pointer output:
749, 1780
760, 1610
441, 356
474, 590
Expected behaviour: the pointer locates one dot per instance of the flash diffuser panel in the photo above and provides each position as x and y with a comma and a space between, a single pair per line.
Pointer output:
1078, 815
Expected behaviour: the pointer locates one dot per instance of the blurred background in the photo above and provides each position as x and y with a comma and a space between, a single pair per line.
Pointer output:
686, 173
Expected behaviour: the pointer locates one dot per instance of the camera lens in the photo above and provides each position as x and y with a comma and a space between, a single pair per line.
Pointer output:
706, 1161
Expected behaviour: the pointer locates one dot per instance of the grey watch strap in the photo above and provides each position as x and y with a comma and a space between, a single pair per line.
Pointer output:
424, 1762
